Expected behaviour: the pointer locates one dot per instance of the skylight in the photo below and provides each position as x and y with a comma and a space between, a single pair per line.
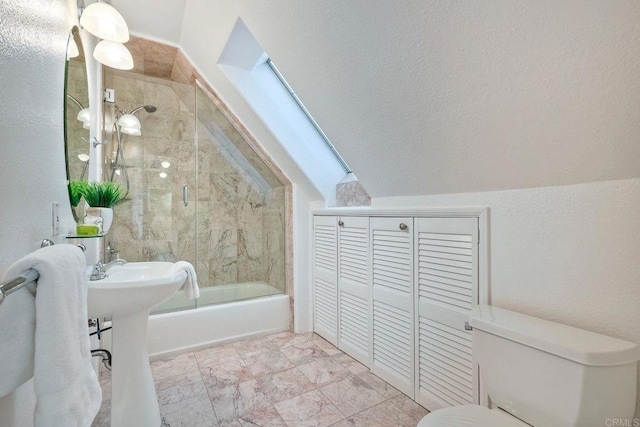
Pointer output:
308, 157
307, 114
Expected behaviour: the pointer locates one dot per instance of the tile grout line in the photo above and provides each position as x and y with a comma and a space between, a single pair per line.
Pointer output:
206, 389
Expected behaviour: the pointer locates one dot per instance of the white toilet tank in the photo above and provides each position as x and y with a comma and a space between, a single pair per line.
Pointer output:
548, 374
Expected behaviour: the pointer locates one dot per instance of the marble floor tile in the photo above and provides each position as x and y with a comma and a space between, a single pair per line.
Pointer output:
180, 387
384, 414
311, 409
409, 407
226, 374
216, 355
325, 345
192, 412
268, 362
282, 339
175, 365
271, 381
265, 417
284, 385
386, 390
350, 363
351, 395
254, 346
324, 371
232, 402
299, 355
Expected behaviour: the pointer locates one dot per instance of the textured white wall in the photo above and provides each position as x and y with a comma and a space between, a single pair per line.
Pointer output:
33, 40
570, 254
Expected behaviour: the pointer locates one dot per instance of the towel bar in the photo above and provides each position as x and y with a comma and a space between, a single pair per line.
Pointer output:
9, 286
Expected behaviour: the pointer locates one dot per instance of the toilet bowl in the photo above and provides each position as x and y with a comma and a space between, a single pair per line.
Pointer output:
540, 373
470, 416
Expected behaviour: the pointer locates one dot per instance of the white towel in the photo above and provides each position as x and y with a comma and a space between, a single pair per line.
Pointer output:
190, 285
66, 386
17, 342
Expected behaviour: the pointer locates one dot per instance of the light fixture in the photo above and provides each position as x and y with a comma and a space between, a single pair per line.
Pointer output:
72, 49
165, 164
131, 131
162, 175
129, 124
83, 157
85, 117
113, 54
129, 121
105, 22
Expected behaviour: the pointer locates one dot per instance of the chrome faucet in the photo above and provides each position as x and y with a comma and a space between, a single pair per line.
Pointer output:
99, 271
118, 261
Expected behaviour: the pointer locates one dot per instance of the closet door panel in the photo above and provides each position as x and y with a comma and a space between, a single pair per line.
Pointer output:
325, 277
392, 295
446, 289
354, 287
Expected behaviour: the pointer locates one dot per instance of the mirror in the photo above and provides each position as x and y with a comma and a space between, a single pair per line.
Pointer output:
76, 118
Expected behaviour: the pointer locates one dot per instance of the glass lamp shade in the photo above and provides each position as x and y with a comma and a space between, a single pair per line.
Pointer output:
72, 49
84, 116
129, 124
105, 22
114, 55
131, 131
129, 121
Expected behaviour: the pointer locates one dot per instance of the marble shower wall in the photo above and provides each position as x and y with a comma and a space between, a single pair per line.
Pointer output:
233, 227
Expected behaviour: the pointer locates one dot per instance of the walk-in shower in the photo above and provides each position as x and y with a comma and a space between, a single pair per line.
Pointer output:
197, 191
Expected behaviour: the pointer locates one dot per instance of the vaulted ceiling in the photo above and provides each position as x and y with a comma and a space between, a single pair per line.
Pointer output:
424, 97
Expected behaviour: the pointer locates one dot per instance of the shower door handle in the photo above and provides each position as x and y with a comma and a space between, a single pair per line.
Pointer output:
185, 195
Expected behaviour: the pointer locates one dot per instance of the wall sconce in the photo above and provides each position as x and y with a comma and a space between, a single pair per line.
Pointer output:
85, 117
130, 125
105, 22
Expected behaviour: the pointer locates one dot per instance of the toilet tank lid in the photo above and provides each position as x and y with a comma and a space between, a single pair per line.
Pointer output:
579, 345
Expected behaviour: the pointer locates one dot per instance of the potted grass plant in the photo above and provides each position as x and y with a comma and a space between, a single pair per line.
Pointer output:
102, 197
76, 192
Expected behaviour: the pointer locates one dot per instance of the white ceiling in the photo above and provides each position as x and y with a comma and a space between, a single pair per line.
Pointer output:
153, 19
424, 97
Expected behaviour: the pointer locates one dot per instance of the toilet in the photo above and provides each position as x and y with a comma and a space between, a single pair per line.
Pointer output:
540, 373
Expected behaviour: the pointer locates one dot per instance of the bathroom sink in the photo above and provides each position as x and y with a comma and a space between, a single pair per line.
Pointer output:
126, 295
132, 287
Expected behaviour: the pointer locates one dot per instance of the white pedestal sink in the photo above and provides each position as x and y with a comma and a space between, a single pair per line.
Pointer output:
127, 295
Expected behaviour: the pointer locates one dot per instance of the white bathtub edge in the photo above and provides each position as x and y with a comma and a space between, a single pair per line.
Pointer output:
180, 331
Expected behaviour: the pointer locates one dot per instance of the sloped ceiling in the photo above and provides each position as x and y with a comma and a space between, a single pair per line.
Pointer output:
426, 97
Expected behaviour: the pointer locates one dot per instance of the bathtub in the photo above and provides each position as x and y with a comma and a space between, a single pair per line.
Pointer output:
256, 309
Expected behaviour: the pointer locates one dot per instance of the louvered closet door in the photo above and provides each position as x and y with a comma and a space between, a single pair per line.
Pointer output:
447, 287
325, 277
393, 306
354, 288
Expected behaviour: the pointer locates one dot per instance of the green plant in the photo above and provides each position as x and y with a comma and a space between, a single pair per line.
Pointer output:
76, 191
103, 194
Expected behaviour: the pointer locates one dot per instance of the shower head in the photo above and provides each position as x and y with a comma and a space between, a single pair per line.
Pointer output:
147, 108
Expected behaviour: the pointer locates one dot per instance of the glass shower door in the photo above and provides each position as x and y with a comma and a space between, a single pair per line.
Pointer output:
156, 221
240, 213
